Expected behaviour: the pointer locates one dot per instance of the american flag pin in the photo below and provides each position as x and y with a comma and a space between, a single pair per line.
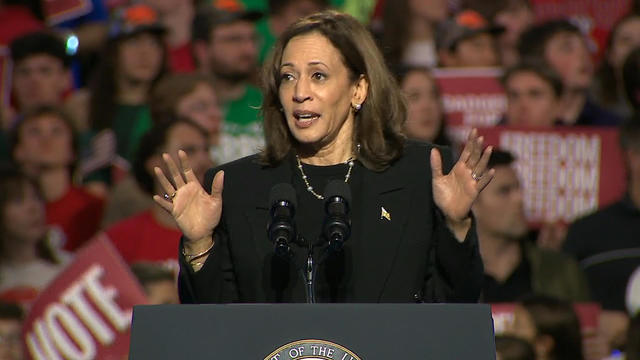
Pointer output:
384, 214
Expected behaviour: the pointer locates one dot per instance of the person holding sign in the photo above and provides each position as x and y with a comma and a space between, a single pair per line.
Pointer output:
332, 111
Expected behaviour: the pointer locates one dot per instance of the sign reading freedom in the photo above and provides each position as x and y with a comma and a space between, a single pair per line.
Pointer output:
85, 313
471, 97
565, 172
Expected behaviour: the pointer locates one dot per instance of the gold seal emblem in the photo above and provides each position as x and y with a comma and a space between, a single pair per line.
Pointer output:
312, 350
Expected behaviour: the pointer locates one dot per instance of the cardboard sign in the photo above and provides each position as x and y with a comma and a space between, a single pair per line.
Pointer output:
57, 11
85, 313
472, 97
504, 316
594, 17
565, 172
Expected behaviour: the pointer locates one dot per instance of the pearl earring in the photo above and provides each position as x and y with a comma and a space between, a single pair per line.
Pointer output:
357, 107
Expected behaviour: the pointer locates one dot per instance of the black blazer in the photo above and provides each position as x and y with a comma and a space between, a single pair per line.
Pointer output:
411, 258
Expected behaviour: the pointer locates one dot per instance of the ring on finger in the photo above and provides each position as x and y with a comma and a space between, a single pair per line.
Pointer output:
475, 177
169, 197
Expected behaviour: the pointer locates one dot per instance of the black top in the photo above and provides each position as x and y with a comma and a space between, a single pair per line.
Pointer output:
407, 255
607, 245
514, 288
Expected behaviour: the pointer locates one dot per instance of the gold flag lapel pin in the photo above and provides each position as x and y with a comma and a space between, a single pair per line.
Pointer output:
384, 214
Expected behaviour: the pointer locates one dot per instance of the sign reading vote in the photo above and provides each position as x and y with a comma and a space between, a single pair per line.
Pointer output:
565, 172
57, 11
86, 312
471, 97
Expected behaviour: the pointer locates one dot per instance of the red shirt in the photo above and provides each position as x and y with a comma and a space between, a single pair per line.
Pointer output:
142, 238
181, 59
78, 214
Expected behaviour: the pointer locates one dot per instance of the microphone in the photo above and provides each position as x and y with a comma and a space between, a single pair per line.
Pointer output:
281, 229
337, 224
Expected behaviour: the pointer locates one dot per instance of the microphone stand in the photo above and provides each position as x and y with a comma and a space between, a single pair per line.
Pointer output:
309, 276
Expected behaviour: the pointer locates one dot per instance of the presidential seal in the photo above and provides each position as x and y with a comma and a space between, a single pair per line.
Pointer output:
312, 350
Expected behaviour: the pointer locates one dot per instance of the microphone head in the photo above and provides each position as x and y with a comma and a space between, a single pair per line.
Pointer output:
282, 192
338, 188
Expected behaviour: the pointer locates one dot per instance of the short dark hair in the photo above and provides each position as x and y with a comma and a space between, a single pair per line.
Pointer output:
533, 41
500, 157
630, 133
149, 273
557, 319
37, 43
151, 144
544, 72
58, 112
11, 311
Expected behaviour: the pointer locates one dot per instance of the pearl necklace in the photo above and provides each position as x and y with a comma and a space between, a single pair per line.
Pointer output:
305, 178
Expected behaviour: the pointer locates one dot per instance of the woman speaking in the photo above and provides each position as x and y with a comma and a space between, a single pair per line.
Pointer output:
332, 111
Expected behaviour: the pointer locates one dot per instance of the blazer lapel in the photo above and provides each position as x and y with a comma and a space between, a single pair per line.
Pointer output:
380, 220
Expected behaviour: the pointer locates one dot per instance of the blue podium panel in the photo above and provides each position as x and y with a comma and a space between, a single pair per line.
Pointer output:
313, 331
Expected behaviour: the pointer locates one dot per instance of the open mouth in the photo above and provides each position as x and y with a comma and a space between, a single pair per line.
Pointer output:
305, 118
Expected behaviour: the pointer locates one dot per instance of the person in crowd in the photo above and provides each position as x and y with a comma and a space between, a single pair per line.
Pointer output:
152, 235
41, 75
332, 111
467, 40
159, 282
425, 113
11, 318
225, 46
514, 15
513, 266
608, 86
631, 79
509, 347
133, 60
29, 254
44, 146
534, 92
561, 45
551, 326
609, 264
190, 96
409, 30
177, 17
283, 13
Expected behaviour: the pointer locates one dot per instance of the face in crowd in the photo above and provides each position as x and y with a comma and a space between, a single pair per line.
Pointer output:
39, 80
502, 196
531, 100
567, 53
424, 109
201, 106
232, 51
140, 58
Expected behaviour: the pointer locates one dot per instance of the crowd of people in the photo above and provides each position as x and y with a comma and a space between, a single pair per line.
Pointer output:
97, 100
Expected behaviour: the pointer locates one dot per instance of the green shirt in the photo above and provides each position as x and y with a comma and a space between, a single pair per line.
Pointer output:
268, 39
242, 132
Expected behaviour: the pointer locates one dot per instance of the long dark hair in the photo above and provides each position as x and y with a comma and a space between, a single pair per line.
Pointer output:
103, 101
378, 125
610, 89
13, 185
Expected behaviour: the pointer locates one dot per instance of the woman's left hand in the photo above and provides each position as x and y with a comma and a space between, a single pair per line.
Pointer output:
455, 192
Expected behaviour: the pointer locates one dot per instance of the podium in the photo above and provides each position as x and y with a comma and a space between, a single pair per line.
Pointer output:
313, 331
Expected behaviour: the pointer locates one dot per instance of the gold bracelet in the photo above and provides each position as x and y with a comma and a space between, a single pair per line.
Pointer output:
190, 258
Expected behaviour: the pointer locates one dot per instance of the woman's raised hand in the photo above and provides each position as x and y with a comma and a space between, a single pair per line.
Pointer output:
455, 192
196, 212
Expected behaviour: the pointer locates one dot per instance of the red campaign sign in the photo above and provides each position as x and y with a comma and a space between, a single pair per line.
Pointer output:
57, 11
594, 17
565, 172
472, 97
504, 315
5, 77
85, 313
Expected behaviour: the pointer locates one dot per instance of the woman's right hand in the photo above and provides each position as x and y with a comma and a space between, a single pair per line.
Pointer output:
196, 212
